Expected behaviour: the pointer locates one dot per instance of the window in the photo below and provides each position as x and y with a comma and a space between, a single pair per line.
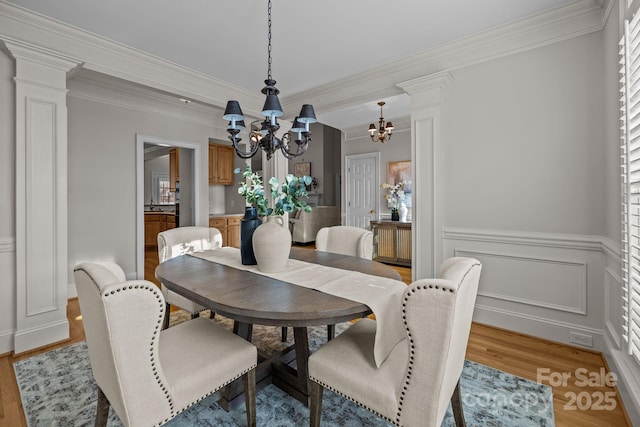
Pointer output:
630, 182
162, 194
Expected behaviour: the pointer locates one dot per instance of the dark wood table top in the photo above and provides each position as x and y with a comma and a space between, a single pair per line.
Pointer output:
256, 299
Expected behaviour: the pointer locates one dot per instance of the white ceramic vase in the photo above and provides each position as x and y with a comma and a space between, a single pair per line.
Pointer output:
272, 244
402, 212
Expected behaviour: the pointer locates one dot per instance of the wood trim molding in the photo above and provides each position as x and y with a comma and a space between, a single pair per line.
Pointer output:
554, 330
552, 240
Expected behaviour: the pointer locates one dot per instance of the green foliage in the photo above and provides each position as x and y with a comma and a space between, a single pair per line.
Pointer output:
286, 197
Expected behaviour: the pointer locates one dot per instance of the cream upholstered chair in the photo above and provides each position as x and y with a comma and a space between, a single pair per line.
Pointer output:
180, 241
414, 384
345, 240
143, 372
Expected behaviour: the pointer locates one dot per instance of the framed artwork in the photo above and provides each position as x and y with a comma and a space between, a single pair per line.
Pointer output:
400, 171
302, 169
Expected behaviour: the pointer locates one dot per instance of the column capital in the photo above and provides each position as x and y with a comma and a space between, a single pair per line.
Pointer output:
38, 55
430, 86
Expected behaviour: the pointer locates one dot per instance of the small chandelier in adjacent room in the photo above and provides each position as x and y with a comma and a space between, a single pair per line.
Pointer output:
383, 132
264, 135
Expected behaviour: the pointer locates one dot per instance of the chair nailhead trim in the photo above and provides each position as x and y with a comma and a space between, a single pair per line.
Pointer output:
405, 300
152, 353
328, 387
206, 395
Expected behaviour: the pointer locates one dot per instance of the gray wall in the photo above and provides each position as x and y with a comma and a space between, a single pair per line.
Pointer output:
102, 178
321, 154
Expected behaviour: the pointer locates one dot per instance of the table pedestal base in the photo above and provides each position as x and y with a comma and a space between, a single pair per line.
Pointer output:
275, 369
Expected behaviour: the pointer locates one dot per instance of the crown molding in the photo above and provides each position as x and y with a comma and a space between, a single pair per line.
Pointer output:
114, 59
93, 87
108, 57
572, 20
37, 54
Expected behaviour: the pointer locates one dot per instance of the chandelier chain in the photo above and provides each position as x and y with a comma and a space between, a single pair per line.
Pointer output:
263, 132
269, 40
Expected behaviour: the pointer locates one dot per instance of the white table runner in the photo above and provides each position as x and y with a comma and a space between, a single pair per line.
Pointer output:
382, 295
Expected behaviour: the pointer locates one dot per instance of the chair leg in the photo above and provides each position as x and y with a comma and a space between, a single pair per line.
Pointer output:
456, 406
102, 414
284, 334
331, 332
167, 311
249, 380
315, 403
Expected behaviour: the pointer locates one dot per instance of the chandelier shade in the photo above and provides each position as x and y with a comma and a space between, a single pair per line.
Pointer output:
263, 134
383, 131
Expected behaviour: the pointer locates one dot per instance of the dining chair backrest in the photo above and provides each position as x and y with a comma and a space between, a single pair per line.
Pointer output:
345, 240
182, 240
149, 375
122, 321
437, 314
179, 241
414, 384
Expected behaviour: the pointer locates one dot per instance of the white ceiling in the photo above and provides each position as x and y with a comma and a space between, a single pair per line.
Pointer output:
314, 42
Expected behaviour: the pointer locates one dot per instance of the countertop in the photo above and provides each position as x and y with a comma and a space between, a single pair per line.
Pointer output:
225, 215
158, 213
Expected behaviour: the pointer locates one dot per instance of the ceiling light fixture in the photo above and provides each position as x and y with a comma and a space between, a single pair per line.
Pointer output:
265, 135
383, 131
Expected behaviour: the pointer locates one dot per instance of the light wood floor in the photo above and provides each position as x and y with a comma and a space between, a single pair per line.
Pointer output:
511, 352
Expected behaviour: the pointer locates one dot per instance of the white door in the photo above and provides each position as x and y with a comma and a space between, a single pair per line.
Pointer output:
362, 192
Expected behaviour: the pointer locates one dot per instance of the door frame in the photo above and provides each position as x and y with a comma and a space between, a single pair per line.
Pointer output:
197, 155
376, 193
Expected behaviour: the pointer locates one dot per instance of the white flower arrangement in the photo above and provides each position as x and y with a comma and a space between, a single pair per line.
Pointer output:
395, 193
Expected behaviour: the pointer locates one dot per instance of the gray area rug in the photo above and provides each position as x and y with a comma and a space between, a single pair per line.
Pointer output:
57, 389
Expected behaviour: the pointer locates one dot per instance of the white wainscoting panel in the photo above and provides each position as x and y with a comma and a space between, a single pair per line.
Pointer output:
548, 283
542, 284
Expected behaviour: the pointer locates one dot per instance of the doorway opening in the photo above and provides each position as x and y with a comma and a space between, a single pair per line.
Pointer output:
185, 209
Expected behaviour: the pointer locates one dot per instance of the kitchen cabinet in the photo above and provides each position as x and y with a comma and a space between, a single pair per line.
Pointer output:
157, 222
392, 242
229, 226
221, 164
174, 168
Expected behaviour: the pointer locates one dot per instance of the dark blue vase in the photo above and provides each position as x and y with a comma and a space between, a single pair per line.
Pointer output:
247, 226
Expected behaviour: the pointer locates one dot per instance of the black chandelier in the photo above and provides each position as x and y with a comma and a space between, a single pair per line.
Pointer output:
264, 134
383, 131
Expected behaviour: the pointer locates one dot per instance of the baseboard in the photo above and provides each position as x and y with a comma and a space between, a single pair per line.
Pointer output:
30, 339
536, 326
628, 380
6, 341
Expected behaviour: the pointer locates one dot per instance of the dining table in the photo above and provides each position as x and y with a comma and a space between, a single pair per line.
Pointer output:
216, 281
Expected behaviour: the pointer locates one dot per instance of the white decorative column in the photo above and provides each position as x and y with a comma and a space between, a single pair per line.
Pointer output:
41, 195
426, 169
